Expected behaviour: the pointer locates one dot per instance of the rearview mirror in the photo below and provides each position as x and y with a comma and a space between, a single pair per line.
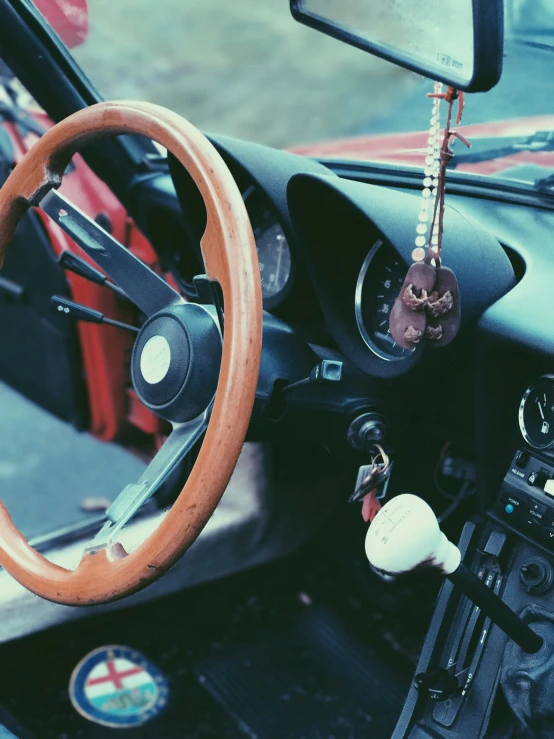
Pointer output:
458, 42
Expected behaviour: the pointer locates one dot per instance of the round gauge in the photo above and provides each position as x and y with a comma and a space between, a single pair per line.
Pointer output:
536, 413
379, 282
273, 249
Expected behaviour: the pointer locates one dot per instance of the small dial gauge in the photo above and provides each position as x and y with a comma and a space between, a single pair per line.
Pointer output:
273, 249
379, 282
536, 413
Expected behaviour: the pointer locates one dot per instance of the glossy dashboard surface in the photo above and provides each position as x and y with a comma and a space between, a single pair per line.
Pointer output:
334, 252
344, 235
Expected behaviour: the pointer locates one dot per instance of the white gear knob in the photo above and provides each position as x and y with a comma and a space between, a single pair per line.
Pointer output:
405, 534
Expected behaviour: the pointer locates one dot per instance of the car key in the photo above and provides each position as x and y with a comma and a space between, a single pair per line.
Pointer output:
372, 476
371, 484
371, 504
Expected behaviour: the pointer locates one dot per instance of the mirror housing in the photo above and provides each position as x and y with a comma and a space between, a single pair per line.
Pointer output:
470, 59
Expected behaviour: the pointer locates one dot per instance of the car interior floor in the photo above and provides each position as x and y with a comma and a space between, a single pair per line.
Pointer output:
46, 494
312, 646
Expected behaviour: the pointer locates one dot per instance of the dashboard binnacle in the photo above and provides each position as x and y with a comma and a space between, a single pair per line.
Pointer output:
333, 255
357, 241
378, 281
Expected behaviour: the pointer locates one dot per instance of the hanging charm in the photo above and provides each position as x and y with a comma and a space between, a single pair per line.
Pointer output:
443, 308
408, 315
428, 306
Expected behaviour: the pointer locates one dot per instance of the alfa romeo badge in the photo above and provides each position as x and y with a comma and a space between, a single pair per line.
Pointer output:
118, 687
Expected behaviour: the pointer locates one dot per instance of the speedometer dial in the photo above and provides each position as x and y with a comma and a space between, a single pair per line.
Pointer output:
273, 249
379, 283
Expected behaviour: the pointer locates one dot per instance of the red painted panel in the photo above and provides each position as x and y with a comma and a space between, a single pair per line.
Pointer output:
69, 18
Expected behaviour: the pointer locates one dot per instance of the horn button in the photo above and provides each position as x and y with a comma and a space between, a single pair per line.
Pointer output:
176, 359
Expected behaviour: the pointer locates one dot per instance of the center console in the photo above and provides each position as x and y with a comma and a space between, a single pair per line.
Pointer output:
471, 680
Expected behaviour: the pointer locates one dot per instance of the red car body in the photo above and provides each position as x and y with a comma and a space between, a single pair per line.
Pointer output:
410, 148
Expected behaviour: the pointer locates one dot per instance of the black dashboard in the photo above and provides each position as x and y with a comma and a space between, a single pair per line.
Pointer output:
350, 244
333, 252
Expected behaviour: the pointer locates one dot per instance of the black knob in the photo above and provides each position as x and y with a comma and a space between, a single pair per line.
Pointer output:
522, 457
536, 575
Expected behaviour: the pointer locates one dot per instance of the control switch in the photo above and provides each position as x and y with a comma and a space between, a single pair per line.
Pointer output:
538, 478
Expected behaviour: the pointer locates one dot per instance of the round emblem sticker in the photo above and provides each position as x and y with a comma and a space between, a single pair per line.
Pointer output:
155, 359
117, 687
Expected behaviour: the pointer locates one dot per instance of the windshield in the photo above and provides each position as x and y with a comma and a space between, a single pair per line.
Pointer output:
247, 69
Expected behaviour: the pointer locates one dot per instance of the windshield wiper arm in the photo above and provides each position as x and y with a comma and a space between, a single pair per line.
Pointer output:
544, 184
506, 146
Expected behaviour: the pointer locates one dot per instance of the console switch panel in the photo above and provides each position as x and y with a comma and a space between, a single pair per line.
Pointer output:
526, 498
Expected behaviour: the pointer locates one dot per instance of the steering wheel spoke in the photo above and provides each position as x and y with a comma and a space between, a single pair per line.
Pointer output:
131, 499
145, 288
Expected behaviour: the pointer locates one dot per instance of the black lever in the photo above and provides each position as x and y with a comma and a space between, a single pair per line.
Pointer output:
79, 267
326, 371
82, 313
210, 292
438, 683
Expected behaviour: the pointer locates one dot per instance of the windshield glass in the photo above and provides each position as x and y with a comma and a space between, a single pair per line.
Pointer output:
247, 69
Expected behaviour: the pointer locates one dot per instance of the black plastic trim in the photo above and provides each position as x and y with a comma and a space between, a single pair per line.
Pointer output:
457, 183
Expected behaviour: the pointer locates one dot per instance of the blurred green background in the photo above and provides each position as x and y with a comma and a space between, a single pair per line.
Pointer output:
244, 68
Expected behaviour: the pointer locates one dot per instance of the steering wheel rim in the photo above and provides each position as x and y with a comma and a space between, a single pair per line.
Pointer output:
108, 573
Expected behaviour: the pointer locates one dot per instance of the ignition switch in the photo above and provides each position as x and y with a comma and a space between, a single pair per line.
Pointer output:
366, 430
536, 575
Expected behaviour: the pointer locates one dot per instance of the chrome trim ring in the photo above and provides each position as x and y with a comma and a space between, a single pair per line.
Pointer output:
381, 353
522, 428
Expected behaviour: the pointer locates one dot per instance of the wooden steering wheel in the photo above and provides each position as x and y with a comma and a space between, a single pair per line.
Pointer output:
181, 367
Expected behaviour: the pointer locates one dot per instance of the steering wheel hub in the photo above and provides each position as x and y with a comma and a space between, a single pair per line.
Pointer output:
175, 361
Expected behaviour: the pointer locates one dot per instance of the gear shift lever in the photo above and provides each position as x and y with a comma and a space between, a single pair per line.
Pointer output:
405, 535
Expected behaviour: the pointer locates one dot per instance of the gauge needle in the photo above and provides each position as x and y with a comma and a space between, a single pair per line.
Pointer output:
540, 408
277, 271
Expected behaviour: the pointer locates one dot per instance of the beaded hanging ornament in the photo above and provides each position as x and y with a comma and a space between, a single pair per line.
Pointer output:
428, 306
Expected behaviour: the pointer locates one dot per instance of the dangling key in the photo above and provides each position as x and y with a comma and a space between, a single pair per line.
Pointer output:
369, 477
371, 504
372, 476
